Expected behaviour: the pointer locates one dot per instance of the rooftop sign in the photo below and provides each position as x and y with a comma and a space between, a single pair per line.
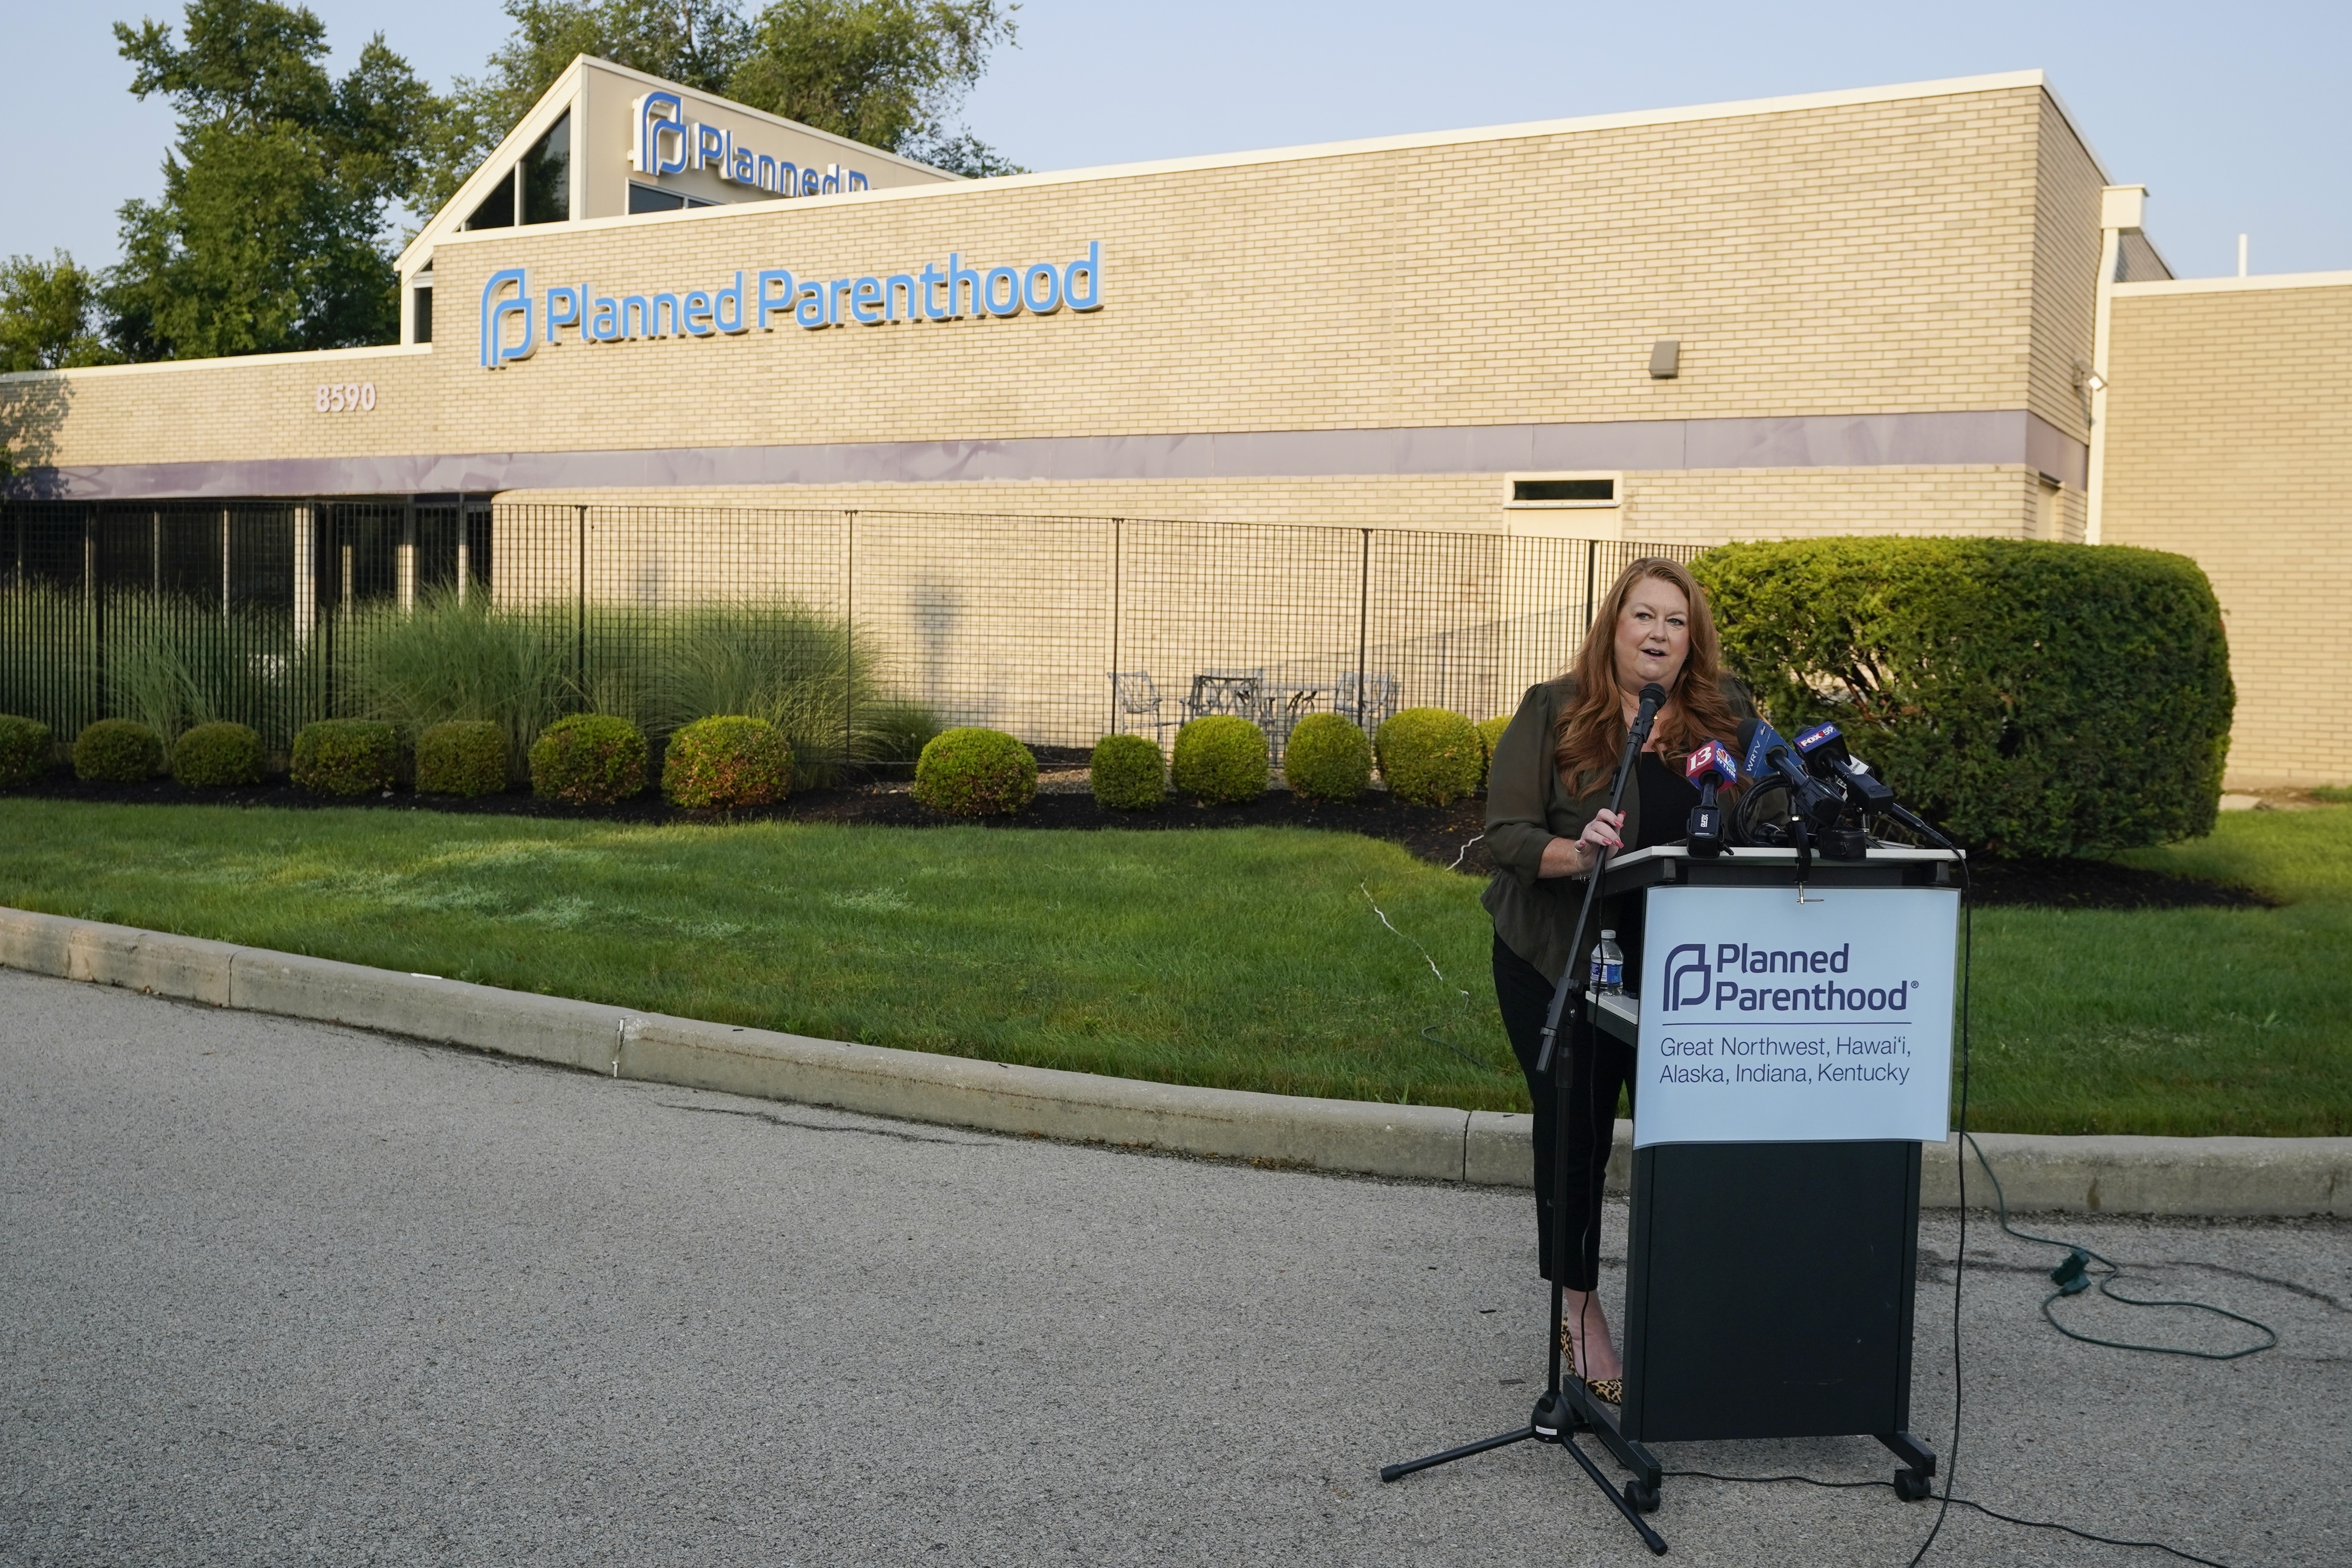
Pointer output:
668, 143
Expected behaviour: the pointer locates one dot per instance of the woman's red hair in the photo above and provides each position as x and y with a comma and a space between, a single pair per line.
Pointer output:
1592, 721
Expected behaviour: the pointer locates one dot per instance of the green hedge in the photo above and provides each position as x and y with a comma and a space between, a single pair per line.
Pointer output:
346, 756
463, 757
1128, 772
118, 752
25, 750
1220, 760
589, 759
1430, 756
727, 762
2032, 699
975, 772
218, 755
1328, 757
1490, 736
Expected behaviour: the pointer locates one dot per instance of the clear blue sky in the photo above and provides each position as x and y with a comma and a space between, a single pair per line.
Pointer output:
2234, 115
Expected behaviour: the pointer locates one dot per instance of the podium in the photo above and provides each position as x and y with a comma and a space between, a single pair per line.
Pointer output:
1792, 1021
1774, 1245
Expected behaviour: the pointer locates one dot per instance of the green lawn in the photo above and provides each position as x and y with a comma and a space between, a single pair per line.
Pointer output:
1243, 958
2180, 1021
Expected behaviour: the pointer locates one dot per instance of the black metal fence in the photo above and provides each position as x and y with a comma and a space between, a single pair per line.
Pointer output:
856, 629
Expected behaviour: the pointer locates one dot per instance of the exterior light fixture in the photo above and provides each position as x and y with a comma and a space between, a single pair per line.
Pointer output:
1665, 359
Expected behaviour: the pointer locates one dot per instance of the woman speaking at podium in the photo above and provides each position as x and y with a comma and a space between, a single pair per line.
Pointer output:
1548, 822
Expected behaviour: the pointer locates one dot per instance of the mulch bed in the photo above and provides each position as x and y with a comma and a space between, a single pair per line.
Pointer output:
1443, 836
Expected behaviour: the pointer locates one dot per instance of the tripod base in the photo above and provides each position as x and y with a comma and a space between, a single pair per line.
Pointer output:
1557, 1418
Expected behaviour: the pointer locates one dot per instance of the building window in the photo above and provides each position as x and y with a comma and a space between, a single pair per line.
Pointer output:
424, 312
651, 199
1531, 490
545, 174
497, 210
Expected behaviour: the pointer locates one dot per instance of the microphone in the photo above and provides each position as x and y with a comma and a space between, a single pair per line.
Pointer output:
1652, 697
1810, 800
1825, 753
1826, 757
1708, 766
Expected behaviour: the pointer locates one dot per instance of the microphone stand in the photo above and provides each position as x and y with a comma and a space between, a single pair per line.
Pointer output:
1558, 1413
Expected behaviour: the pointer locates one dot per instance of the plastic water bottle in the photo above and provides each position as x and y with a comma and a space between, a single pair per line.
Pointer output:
1606, 975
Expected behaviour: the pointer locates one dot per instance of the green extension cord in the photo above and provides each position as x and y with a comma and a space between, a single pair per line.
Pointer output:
2073, 1277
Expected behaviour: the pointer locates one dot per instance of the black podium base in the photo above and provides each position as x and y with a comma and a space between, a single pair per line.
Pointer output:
1768, 1294
1768, 1290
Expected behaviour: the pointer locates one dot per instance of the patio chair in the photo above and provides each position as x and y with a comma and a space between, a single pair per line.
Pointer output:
1379, 694
1139, 700
1235, 691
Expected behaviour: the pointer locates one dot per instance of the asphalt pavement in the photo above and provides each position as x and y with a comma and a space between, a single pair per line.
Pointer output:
273, 1292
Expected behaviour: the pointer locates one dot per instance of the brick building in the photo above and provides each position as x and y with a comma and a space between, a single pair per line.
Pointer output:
1904, 310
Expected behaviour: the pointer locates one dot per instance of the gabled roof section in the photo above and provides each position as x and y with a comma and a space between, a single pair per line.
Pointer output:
561, 96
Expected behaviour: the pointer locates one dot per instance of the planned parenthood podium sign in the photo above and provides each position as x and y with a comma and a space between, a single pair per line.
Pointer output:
1765, 1020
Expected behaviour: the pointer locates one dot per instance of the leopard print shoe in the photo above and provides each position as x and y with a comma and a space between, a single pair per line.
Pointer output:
1611, 1390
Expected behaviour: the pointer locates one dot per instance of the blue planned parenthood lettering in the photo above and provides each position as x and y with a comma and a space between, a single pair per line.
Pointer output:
1695, 978
516, 323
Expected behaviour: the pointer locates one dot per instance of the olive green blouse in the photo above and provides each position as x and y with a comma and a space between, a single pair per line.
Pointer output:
1527, 806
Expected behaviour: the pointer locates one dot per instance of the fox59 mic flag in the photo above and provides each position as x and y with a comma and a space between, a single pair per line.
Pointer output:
1765, 1020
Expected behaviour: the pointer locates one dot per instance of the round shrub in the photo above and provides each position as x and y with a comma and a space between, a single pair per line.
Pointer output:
1221, 760
718, 764
23, 750
1430, 756
975, 772
462, 756
214, 757
589, 759
1129, 774
346, 756
118, 751
2031, 698
1490, 736
1328, 758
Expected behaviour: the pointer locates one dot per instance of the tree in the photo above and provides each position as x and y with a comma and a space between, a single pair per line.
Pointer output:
48, 315
695, 43
889, 73
270, 234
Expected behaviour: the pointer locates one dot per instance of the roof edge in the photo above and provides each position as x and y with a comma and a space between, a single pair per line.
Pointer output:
2234, 284
1737, 108
298, 356
1952, 86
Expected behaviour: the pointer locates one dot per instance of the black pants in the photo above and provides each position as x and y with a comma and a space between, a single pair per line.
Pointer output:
1599, 1066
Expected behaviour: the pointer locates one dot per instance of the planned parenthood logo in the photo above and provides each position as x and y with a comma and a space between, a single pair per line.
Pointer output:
515, 325
1735, 977
667, 143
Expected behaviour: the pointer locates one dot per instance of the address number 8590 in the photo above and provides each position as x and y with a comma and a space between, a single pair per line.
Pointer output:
346, 397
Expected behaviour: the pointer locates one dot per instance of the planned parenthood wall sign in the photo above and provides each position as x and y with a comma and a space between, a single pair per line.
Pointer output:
1765, 1020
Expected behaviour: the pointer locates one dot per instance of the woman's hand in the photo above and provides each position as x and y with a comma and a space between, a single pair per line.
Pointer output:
1604, 832
1575, 857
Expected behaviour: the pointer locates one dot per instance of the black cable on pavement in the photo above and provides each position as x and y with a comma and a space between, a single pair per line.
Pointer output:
1961, 1167
1963, 1502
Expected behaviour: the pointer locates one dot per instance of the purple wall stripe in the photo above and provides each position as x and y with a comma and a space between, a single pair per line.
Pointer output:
1868, 440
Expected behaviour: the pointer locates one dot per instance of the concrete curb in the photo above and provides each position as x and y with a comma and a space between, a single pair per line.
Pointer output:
2219, 1176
